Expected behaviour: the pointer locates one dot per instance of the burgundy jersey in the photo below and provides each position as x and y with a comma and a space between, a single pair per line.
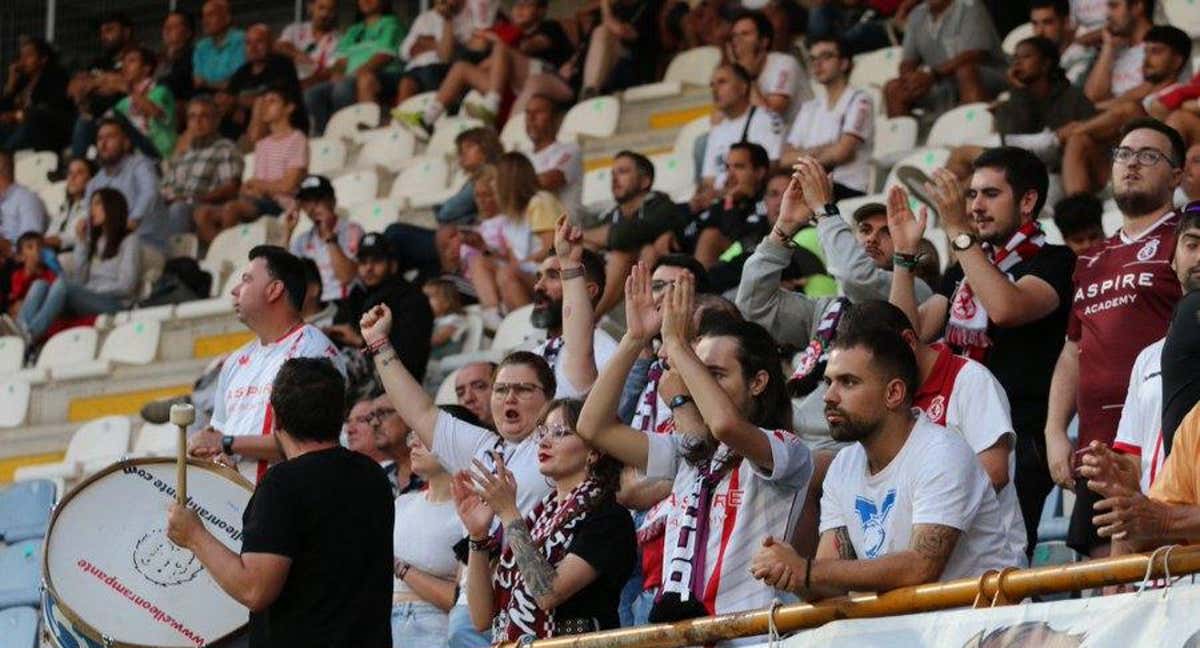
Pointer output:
1125, 293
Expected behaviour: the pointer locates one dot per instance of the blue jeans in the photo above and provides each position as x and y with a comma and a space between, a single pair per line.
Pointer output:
418, 625
463, 633
45, 302
459, 208
830, 20
324, 99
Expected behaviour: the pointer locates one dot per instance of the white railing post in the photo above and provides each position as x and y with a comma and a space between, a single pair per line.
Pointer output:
51, 6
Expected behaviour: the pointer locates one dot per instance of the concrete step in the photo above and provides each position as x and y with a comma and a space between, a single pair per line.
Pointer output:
123, 392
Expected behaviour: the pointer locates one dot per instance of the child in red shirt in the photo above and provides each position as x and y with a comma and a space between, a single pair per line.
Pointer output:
29, 251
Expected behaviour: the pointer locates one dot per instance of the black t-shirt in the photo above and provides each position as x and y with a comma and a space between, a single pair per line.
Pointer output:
559, 49
277, 69
1180, 358
1023, 358
412, 319
605, 540
331, 512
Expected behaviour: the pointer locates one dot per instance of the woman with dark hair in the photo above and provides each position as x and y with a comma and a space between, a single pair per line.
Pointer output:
35, 111
564, 563
739, 474
104, 275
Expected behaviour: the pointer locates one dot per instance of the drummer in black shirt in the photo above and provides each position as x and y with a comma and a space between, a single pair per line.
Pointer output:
316, 561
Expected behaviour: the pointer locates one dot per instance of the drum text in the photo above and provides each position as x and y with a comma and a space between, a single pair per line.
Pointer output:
139, 601
163, 487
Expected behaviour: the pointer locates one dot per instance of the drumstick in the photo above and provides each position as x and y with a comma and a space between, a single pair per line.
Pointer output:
182, 415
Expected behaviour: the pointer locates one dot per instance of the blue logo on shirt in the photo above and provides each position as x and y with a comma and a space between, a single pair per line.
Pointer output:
874, 521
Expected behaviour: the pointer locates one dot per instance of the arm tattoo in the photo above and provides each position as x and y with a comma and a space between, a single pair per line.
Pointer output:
841, 542
537, 571
934, 542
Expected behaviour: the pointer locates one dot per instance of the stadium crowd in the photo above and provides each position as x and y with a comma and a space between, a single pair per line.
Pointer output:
800, 402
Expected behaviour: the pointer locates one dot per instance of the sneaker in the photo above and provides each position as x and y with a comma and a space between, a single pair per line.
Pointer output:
914, 180
10, 326
414, 122
480, 112
159, 411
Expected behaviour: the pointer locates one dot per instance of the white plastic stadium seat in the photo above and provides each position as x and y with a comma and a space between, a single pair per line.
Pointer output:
326, 155
230, 249
925, 159
516, 329
1018, 34
596, 117
674, 175
876, 68
14, 402
53, 196
442, 141
445, 393
1111, 221
31, 168
12, 354
894, 138
94, 445
156, 441
376, 215
247, 166
221, 303
348, 121
597, 189
427, 174
390, 148
73, 346
356, 187
513, 136
941, 242
183, 245
694, 66
652, 91
1053, 235
961, 125
134, 343
1184, 14
685, 139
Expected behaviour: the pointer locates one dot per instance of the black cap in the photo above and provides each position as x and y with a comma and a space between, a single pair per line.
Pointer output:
315, 187
375, 246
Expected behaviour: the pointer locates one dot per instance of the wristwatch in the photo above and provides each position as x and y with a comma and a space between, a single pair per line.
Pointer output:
963, 242
227, 444
679, 401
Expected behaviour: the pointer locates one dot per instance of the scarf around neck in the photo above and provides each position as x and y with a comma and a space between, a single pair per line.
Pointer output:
967, 327
810, 362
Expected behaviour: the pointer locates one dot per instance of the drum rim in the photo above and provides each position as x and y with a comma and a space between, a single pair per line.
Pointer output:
81, 626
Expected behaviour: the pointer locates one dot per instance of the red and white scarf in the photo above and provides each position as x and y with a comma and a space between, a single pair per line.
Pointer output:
553, 527
968, 325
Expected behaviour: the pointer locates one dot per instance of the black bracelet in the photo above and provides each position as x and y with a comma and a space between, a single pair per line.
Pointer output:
906, 261
403, 571
484, 545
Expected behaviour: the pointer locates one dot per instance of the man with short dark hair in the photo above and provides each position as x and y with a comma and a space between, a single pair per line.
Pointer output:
148, 108
1079, 219
906, 503
206, 168
559, 165
1051, 19
315, 566
332, 241
780, 84
1118, 67
1125, 293
263, 69
135, 176
473, 389
99, 87
221, 51
267, 299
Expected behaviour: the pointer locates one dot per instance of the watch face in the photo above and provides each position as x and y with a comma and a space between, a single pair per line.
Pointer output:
962, 241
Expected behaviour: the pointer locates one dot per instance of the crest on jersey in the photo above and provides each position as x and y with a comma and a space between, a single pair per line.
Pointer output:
1148, 250
937, 408
874, 521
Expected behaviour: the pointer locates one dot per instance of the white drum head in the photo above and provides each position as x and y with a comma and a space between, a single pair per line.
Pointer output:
109, 564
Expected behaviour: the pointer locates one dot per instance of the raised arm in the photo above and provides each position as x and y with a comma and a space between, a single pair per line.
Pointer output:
579, 356
906, 231
411, 402
725, 422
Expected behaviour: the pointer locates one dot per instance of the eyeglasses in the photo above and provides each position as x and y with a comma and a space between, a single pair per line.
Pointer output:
377, 417
523, 391
659, 285
1144, 157
554, 432
474, 385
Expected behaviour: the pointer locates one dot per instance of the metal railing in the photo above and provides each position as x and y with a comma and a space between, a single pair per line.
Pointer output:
991, 589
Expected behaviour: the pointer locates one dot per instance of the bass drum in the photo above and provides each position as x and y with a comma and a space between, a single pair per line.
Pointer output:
111, 576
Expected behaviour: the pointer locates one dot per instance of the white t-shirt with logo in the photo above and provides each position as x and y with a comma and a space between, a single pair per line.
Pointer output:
820, 124
1127, 69
603, 348
782, 75
747, 505
766, 129
321, 49
309, 245
243, 403
568, 158
1139, 432
934, 479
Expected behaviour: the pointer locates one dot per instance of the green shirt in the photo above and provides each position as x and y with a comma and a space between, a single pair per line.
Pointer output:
160, 130
362, 41
817, 285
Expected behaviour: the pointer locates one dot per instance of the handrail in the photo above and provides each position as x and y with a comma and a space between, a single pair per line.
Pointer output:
992, 588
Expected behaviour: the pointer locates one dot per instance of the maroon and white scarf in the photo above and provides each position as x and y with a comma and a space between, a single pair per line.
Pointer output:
968, 325
553, 527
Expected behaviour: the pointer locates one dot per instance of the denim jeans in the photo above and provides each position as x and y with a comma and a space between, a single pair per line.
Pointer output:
463, 633
459, 208
830, 20
324, 99
418, 625
45, 302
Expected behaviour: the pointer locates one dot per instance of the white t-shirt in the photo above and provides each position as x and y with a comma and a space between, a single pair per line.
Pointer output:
308, 245
501, 231
747, 505
568, 158
243, 401
934, 479
961, 395
766, 129
431, 23
1089, 14
1139, 432
554, 351
782, 75
1127, 69
321, 49
819, 124
424, 536
456, 443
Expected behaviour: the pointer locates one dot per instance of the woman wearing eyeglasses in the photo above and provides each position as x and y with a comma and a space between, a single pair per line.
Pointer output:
564, 563
426, 570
